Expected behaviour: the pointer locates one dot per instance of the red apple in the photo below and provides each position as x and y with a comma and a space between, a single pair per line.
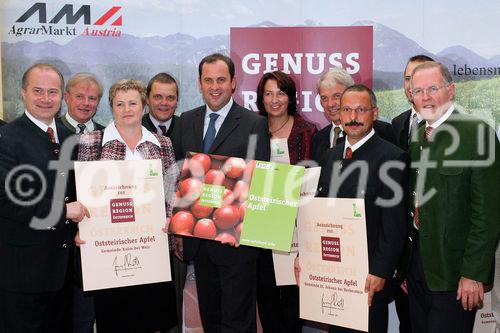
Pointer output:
190, 189
199, 164
182, 222
205, 228
226, 217
200, 211
234, 167
215, 177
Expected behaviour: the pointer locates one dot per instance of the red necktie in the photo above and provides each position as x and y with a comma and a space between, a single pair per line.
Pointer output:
416, 219
51, 134
428, 132
348, 153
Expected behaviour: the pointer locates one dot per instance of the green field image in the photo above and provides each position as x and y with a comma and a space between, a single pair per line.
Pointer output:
480, 98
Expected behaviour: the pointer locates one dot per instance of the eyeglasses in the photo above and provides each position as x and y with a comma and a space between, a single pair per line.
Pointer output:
358, 110
431, 91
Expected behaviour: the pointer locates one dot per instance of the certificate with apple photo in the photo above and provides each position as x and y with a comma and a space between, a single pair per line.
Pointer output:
334, 262
234, 201
124, 241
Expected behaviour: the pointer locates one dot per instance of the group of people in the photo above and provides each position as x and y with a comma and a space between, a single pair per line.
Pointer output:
431, 250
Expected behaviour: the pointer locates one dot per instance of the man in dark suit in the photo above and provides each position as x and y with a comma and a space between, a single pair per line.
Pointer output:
330, 87
36, 242
82, 95
225, 275
454, 213
402, 132
385, 222
401, 123
162, 95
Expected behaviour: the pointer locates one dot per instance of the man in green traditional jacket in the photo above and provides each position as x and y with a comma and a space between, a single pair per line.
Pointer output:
455, 210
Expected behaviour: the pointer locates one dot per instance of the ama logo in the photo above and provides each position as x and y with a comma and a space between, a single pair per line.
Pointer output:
25, 26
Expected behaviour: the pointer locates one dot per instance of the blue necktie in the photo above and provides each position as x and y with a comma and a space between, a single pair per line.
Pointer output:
210, 135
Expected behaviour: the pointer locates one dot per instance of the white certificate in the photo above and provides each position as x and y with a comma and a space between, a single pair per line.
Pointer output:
284, 261
334, 262
124, 241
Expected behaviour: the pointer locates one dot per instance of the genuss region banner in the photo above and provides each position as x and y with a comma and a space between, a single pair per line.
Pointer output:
303, 52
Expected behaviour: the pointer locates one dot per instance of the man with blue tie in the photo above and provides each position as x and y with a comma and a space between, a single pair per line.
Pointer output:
225, 275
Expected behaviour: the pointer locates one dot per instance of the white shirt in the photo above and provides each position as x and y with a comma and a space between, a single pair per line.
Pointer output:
332, 132
419, 118
111, 133
157, 123
222, 115
89, 125
42, 125
358, 144
443, 118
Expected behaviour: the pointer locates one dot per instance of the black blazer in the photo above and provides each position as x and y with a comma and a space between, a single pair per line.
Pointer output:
33, 261
231, 140
401, 126
320, 143
146, 122
65, 122
386, 227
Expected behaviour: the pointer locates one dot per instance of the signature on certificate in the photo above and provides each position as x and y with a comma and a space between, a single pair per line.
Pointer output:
127, 263
331, 303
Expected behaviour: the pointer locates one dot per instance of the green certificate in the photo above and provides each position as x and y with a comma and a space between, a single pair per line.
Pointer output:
271, 208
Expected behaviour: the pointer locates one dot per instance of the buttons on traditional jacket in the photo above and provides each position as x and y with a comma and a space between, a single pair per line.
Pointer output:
414, 193
66, 222
412, 214
66, 199
64, 246
421, 148
62, 174
51, 228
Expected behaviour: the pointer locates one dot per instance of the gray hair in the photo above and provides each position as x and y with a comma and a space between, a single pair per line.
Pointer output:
335, 75
79, 77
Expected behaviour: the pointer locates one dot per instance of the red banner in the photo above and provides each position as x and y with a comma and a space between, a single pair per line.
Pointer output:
303, 52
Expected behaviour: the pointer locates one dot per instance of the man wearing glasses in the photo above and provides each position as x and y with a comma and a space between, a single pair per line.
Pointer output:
454, 207
342, 177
